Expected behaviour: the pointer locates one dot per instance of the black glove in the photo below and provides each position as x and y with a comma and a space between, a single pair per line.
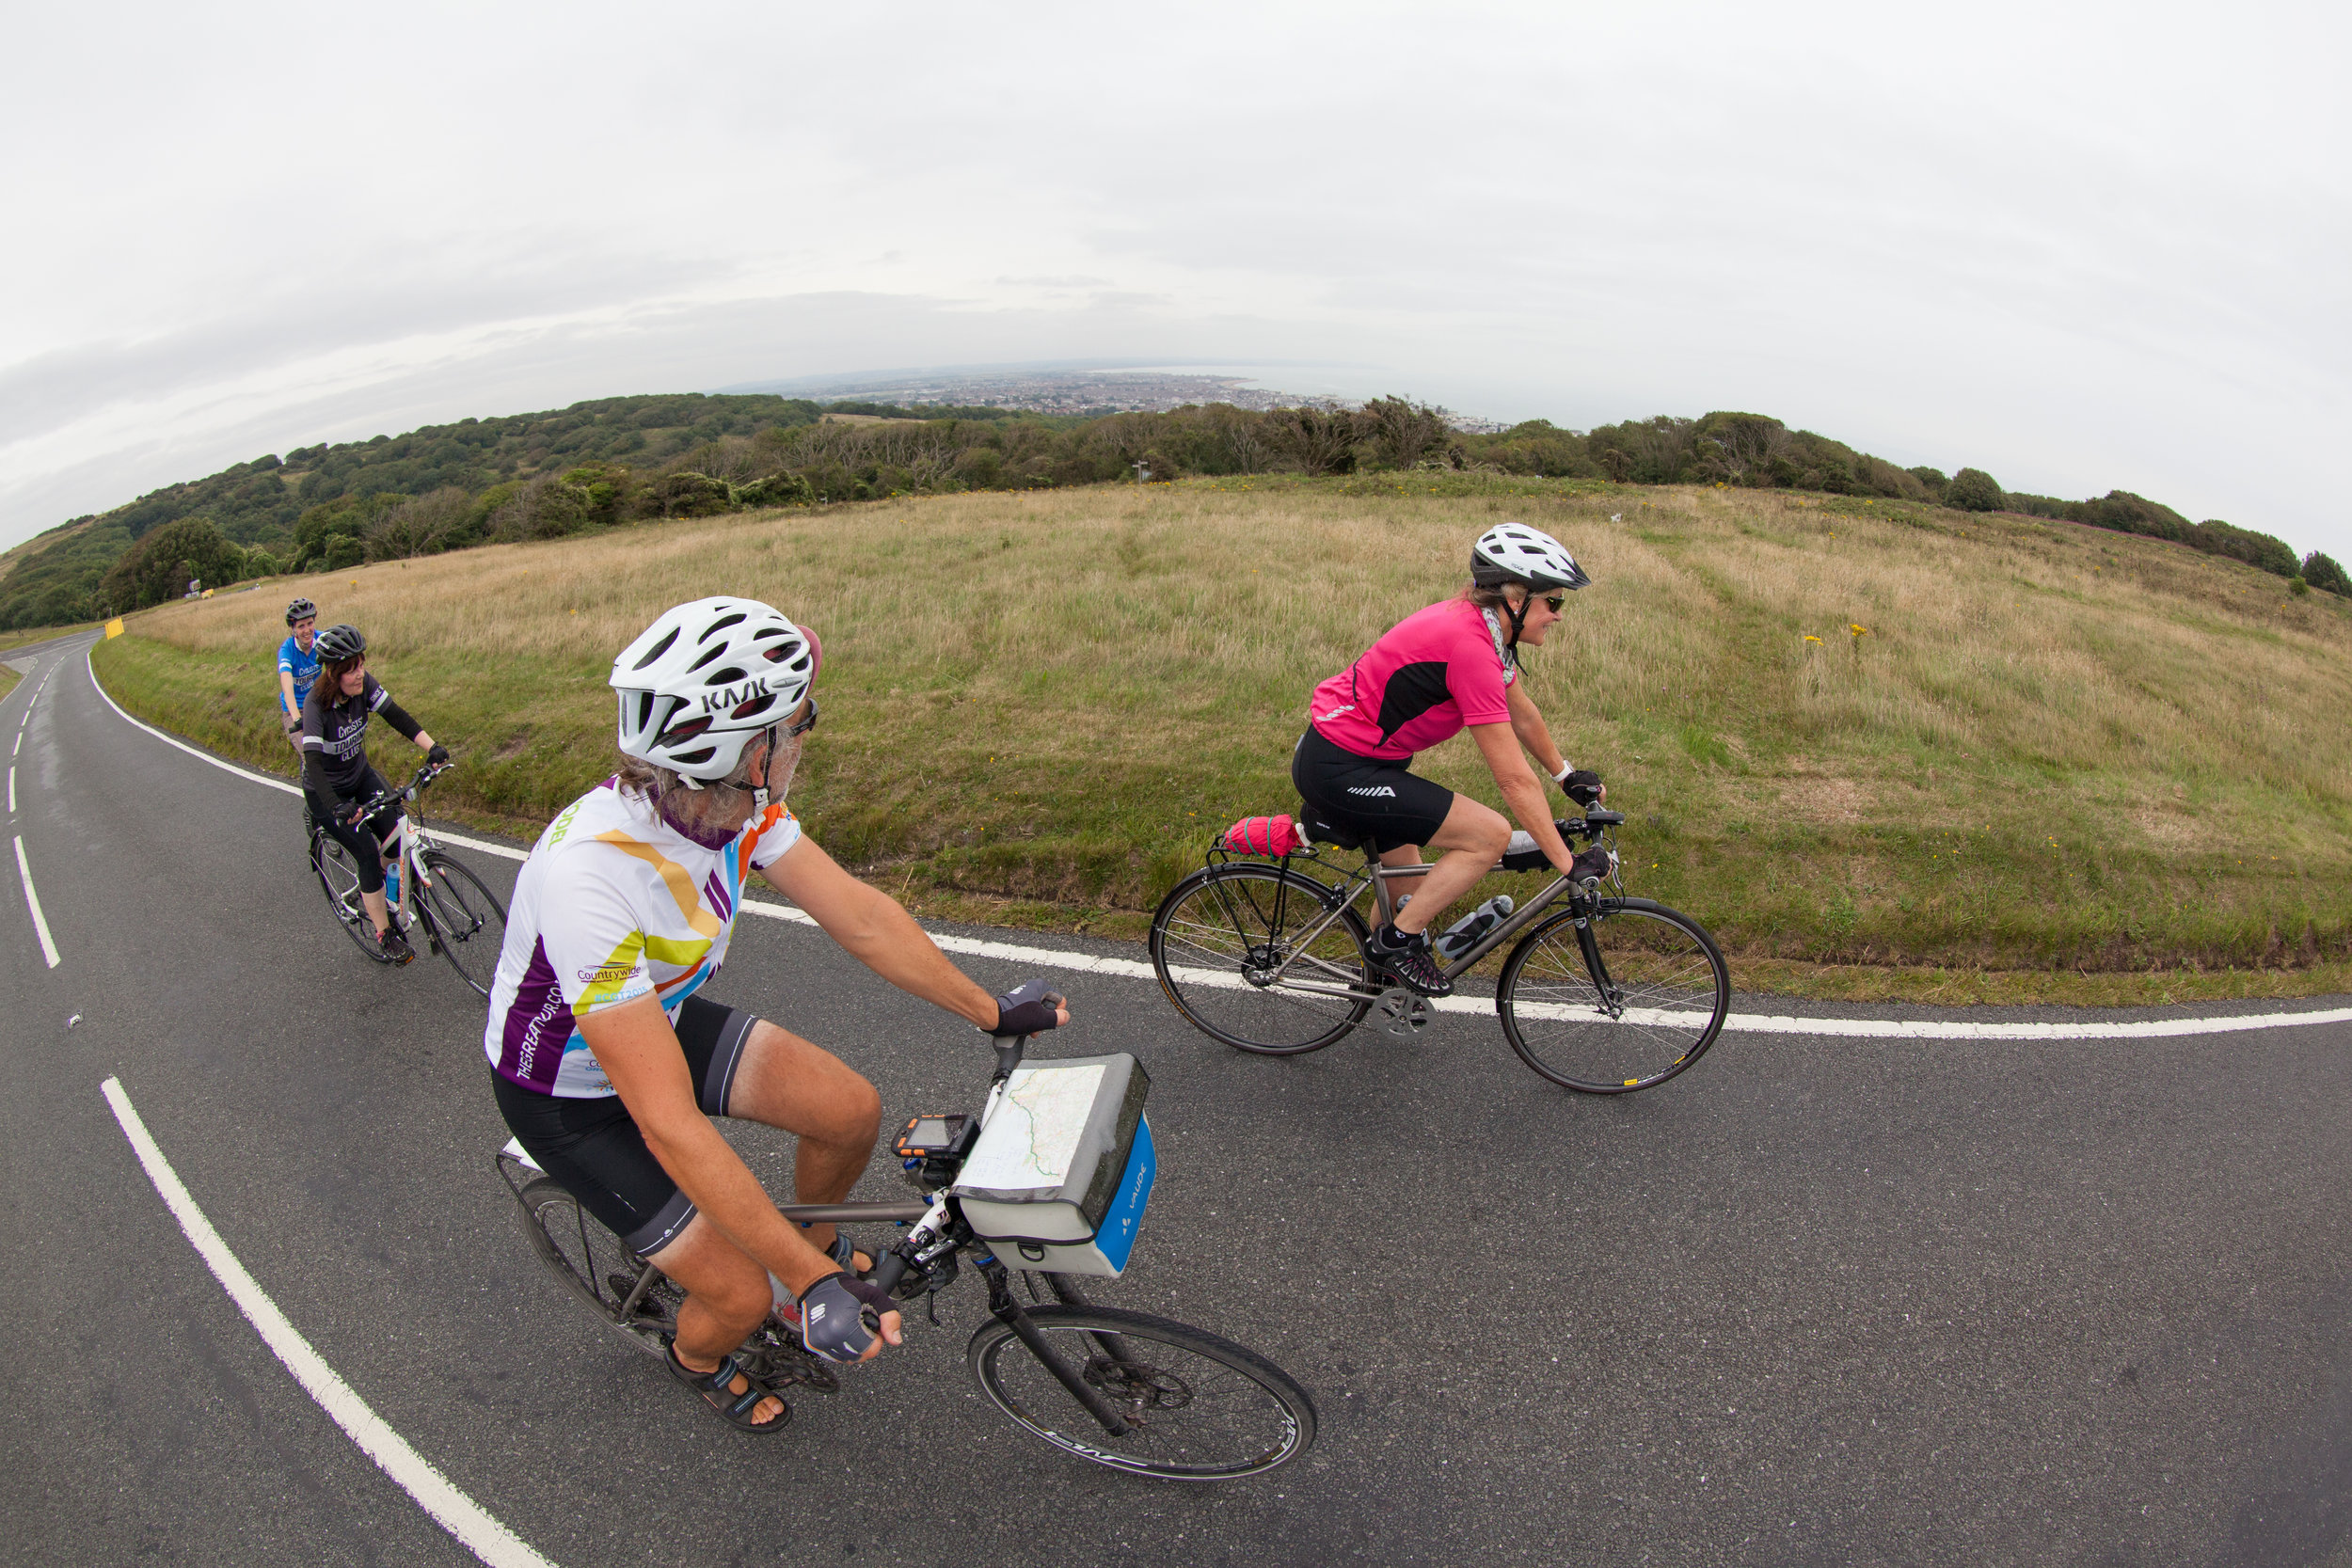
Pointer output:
1582, 787
840, 1315
1595, 862
357, 815
438, 755
1028, 1008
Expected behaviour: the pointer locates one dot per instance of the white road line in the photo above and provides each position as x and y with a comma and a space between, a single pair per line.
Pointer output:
20, 742
32, 899
1752, 1024
454, 1511
11, 789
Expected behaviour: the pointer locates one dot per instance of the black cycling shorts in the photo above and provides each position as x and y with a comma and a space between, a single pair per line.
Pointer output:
594, 1149
328, 812
1370, 797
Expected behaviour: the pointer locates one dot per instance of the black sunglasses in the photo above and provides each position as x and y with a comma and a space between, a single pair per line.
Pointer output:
799, 727
1555, 602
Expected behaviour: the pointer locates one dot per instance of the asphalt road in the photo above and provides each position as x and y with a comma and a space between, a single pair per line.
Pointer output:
1820, 1300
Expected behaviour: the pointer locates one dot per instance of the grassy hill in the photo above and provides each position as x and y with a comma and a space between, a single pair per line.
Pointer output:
1851, 734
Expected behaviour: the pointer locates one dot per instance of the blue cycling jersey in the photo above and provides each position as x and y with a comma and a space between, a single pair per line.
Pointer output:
303, 667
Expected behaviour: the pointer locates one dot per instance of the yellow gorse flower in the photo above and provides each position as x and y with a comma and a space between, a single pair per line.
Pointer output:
1810, 638
1857, 630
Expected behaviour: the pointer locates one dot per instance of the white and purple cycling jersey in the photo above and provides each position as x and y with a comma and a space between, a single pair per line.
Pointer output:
613, 904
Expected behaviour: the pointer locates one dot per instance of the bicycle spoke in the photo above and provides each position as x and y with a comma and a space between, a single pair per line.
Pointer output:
1237, 948
1661, 1006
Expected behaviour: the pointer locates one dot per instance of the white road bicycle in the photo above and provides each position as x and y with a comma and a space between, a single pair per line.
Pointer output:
460, 917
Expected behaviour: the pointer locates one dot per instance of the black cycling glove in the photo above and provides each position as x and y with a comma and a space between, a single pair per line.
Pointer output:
1028, 1008
1582, 787
835, 1314
1593, 864
438, 755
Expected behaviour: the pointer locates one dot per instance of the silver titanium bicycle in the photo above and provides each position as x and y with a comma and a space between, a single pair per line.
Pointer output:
461, 918
1122, 1389
1608, 995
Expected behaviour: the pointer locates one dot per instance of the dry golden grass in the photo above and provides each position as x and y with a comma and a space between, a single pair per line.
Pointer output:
2049, 745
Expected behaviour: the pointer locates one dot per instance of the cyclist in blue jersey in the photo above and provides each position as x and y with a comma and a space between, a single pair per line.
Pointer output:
297, 668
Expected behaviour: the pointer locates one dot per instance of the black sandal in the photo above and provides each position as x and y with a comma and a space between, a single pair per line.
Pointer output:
717, 1389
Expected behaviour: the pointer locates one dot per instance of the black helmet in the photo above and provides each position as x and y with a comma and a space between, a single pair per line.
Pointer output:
337, 643
301, 609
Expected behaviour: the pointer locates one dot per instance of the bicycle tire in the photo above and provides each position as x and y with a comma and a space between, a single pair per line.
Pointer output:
1188, 1369
339, 878
1672, 990
1215, 929
466, 920
590, 1262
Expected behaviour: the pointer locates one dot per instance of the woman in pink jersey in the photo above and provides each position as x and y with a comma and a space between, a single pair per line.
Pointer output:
1450, 667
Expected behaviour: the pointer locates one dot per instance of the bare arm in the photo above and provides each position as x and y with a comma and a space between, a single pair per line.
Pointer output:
1527, 722
877, 931
639, 1051
285, 697
1521, 791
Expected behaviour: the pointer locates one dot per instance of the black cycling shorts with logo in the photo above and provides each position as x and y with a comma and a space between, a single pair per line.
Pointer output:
594, 1149
1370, 797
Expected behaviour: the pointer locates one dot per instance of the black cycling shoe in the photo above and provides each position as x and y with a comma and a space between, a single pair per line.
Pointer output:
394, 946
1410, 965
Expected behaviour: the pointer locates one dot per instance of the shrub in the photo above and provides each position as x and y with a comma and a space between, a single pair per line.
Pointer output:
1934, 479
2322, 572
1973, 490
2296, 586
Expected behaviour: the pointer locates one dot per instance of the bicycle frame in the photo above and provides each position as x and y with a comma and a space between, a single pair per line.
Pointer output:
1378, 877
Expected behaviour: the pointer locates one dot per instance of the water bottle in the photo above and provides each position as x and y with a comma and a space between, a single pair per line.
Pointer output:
391, 885
1464, 934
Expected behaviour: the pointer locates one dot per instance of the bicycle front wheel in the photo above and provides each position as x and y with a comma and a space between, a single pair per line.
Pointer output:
1219, 944
467, 922
1638, 1007
339, 875
1196, 1407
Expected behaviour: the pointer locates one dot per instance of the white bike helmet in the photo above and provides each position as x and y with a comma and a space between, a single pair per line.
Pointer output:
700, 682
1513, 553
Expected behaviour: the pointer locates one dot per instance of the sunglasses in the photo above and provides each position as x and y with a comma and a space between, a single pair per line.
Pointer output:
1555, 602
800, 727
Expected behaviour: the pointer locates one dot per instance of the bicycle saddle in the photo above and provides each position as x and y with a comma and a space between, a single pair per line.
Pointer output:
1322, 831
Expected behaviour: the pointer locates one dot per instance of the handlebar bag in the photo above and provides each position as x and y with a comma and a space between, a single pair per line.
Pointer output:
1062, 1169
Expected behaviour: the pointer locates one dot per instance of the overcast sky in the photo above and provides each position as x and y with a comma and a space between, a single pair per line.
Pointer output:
2081, 246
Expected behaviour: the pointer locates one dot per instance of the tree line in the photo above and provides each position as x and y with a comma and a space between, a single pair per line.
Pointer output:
624, 459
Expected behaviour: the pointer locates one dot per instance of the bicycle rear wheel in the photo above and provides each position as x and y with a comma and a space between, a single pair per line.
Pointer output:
1650, 1008
339, 875
467, 922
590, 1262
1222, 933
1197, 1407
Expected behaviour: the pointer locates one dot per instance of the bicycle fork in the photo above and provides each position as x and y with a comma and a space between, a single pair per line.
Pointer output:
1611, 1002
1008, 1310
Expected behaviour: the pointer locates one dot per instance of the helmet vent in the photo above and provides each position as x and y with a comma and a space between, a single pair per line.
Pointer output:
680, 735
657, 650
756, 705
722, 624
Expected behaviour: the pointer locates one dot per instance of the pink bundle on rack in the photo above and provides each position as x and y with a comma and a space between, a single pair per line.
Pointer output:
1264, 836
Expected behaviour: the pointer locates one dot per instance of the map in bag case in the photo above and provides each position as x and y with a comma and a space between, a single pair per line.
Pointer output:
1059, 1176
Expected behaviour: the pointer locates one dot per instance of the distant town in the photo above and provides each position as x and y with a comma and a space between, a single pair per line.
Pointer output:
1091, 393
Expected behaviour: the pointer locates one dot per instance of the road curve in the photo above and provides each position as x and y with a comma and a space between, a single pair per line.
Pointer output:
1828, 1299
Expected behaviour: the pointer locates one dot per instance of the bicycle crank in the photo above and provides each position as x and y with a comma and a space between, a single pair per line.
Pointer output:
1407, 1015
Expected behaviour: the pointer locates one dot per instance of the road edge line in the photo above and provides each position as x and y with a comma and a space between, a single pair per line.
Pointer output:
454, 1511
1746, 1024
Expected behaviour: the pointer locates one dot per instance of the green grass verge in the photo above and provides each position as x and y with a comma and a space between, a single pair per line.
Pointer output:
2051, 751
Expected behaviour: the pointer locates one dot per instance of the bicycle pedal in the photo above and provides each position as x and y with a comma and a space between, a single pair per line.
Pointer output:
1406, 1014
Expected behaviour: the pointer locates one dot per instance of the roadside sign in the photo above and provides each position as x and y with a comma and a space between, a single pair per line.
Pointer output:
114, 628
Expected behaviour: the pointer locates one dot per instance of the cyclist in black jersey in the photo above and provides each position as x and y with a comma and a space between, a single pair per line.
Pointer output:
335, 768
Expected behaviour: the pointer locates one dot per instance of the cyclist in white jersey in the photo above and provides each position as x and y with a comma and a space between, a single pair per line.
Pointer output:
608, 1059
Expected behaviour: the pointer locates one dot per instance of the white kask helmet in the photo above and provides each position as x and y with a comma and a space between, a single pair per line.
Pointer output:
1513, 553
700, 682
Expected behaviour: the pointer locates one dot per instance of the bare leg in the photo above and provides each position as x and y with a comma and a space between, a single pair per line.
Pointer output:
1473, 838
789, 1084
374, 903
726, 1295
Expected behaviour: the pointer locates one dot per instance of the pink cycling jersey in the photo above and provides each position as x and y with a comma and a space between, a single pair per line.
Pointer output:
1436, 672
